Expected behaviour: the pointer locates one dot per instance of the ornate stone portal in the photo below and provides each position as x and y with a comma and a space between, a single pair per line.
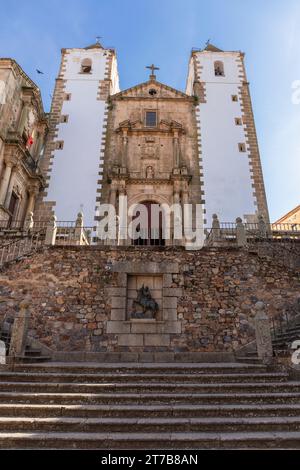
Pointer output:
144, 305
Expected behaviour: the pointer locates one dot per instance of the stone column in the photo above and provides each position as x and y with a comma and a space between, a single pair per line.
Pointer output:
241, 237
40, 140
2, 353
263, 334
33, 192
51, 231
10, 188
176, 150
124, 149
123, 217
177, 219
113, 195
39, 147
186, 215
20, 329
23, 118
5, 182
176, 197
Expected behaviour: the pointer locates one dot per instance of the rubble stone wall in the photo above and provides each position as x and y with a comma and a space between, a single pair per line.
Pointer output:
218, 289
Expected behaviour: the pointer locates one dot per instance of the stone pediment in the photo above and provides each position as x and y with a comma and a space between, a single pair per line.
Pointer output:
151, 89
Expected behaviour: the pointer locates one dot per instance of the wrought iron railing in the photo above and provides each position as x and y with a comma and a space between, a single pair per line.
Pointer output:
30, 162
24, 246
227, 231
256, 235
68, 233
285, 328
20, 225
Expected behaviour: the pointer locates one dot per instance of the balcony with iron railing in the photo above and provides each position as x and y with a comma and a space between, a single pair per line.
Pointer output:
28, 160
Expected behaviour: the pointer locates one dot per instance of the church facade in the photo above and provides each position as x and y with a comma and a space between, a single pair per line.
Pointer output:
152, 144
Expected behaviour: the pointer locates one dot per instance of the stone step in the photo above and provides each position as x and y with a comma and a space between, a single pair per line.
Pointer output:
141, 368
293, 329
144, 398
158, 440
148, 410
143, 425
33, 359
150, 387
286, 336
33, 352
248, 359
146, 377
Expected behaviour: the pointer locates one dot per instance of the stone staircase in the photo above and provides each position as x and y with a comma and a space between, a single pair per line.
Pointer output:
31, 354
283, 339
148, 406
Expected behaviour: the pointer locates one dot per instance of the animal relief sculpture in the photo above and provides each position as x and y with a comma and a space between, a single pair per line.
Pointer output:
144, 306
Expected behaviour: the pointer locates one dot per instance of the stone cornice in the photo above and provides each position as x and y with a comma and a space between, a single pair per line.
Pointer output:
150, 181
177, 93
163, 127
17, 70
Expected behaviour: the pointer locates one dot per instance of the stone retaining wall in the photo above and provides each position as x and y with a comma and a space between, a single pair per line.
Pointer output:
216, 290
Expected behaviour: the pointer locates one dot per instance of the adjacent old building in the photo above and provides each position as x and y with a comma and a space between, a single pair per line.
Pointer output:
292, 218
23, 128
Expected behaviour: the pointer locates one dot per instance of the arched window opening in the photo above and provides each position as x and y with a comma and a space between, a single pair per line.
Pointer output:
86, 66
219, 69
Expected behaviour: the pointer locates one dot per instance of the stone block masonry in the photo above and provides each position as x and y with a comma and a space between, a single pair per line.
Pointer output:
208, 297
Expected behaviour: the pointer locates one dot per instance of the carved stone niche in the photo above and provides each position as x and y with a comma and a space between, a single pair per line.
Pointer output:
144, 333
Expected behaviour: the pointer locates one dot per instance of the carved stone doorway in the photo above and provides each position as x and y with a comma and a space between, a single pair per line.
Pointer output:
154, 235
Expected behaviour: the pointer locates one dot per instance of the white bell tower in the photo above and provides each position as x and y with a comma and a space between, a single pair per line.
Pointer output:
75, 147
229, 159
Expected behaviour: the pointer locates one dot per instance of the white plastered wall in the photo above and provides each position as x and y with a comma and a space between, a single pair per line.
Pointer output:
75, 172
227, 181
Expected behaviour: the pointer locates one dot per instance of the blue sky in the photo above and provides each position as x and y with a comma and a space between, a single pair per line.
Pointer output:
163, 32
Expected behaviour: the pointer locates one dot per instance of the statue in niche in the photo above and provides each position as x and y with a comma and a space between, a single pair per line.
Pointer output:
144, 306
149, 172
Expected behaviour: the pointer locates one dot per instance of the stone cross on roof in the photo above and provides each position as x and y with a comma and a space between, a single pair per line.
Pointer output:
152, 68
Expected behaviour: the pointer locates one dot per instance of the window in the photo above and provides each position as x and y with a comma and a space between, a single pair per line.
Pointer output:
242, 147
13, 203
67, 96
238, 121
86, 66
151, 118
219, 69
234, 98
65, 118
